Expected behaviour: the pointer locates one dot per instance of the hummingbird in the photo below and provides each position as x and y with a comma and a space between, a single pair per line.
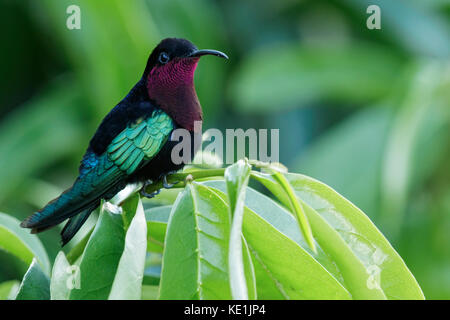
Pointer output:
133, 143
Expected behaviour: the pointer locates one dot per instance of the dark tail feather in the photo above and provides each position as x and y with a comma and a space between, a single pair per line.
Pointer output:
65, 206
37, 230
80, 198
74, 224
68, 204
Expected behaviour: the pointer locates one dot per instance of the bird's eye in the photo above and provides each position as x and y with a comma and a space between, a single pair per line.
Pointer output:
163, 58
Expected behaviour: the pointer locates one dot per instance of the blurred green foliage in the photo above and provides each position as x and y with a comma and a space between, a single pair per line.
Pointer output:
365, 111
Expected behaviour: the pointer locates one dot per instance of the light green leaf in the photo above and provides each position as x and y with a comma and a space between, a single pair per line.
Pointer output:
9, 289
106, 257
283, 269
159, 214
78, 249
130, 272
370, 266
249, 271
35, 284
195, 261
150, 292
59, 288
287, 268
152, 272
283, 221
98, 264
157, 218
21, 243
236, 178
297, 209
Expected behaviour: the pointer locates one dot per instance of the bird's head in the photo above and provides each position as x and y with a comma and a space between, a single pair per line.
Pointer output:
169, 74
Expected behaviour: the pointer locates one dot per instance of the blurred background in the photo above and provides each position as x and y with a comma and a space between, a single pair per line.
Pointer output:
365, 111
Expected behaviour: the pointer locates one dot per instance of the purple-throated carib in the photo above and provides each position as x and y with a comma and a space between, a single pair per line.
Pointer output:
133, 143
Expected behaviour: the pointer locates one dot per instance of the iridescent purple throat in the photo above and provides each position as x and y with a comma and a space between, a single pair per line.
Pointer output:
171, 86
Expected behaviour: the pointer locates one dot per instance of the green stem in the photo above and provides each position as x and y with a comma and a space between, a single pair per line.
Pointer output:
296, 206
180, 178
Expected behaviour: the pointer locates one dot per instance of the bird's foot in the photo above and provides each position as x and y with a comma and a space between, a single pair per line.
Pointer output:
167, 185
148, 195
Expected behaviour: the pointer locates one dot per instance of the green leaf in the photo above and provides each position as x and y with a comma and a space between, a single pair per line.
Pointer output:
249, 272
150, 292
287, 268
158, 214
35, 284
283, 269
8, 289
370, 266
296, 207
21, 243
98, 264
157, 218
78, 249
195, 261
152, 272
106, 261
282, 220
59, 288
130, 272
236, 177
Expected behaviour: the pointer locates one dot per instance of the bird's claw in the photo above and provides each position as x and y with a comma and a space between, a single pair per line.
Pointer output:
148, 195
167, 185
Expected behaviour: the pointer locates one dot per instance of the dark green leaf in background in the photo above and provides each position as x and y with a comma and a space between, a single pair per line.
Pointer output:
298, 75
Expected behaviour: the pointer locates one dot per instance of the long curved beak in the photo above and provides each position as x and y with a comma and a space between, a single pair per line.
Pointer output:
204, 52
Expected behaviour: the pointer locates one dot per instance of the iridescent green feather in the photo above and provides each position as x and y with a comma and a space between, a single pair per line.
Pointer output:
140, 141
134, 146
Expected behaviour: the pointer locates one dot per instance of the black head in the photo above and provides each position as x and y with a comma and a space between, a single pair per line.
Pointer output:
171, 49
169, 78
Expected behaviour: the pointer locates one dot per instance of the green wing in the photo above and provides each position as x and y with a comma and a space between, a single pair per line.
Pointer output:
140, 141
100, 176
